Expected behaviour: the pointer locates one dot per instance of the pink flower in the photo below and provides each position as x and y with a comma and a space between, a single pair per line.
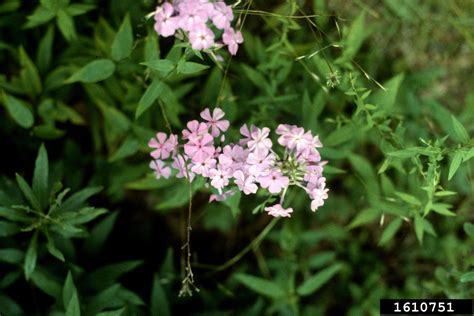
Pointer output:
318, 193
222, 15
165, 24
233, 156
214, 121
274, 181
221, 197
284, 131
232, 39
200, 148
220, 177
259, 139
162, 146
191, 16
278, 211
180, 164
201, 38
172, 143
259, 161
160, 169
245, 183
245, 131
195, 129
203, 167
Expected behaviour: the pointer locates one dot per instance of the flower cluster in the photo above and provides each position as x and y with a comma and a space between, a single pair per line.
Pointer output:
199, 20
246, 166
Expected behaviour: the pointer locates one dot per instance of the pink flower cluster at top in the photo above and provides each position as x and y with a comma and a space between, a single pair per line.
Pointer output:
246, 166
197, 19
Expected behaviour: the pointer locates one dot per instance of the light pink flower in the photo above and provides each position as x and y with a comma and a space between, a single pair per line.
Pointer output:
233, 157
191, 16
195, 129
318, 195
274, 181
201, 38
172, 143
220, 177
259, 161
259, 139
214, 122
222, 15
245, 131
232, 39
199, 148
180, 164
203, 167
278, 211
165, 25
246, 183
163, 148
161, 170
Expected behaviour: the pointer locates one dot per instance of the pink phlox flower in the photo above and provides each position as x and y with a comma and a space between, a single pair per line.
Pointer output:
245, 131
259, 139
259, 161
191, 16
246, 183
309, 157
162, 146
220, 177
165, 25
199, 148
233, 156
179, 163
195, 129
313, 174
222, 15
201, 38
278, 211
221, 197
274, 181
297, 139
214, 122
232, 39
173, 144
203, 167
161, 170
318, 196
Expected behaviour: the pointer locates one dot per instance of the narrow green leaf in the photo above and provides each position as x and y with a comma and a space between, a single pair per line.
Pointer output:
261, 286
73, 307
340, 135
390, 231
108, 274
190, 68
459, 132
11, 255
385, 99
69, 289
47, 282
123, 41
442, 208
29, 74
82, 216
8, 229
410, 199
419, 228
163, 65
149, 97
129, 147
14, 215
159, 305
455, 163
469, 229
52, 248
467, 277
364, 217
99, 233
66, 25
41, 177
318, 280
77, 200
9, 307
117, 312
18, 110
79, 8
40, 16
94, 71
28, 193
44, 55
31, 256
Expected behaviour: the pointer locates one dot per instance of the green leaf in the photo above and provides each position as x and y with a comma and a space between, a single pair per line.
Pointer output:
82, 216
190, 68
66, 25
459, 133
19, 112
390, 231
29, 74
117, 312
419, 228
123, 41
469, 229
11, 256
357, 33
340, 135
318, 280
108, 274
149, 97
69, 289
28, 193
40, 16
77, 200
163, 65
467, 277
94, 71
52, 248
31, 256
8, 229
99, 233
455, 163
385, 99
159, 302
442, 208
233, 202
410, 199
261, 286
79, 8
41, 177
9, 307
47, 282
73, 307
14, 215
364, 217
44, 55
129, 147
257, 79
